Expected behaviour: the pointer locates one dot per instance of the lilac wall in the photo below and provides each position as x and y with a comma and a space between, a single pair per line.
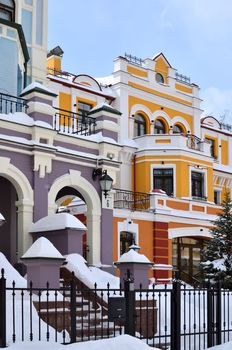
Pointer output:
66, 241
107, 236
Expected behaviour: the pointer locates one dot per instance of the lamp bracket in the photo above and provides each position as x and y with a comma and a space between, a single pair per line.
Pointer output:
96, 172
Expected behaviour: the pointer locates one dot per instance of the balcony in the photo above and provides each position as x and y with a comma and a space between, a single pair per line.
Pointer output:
74, 123
159, 202
172, 141
124, 199
12, 104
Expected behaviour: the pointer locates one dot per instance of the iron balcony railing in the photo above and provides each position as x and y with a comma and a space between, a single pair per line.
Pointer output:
182, 78
59, 73
12, 104
74, 123
226, 127
124, 199
194, 142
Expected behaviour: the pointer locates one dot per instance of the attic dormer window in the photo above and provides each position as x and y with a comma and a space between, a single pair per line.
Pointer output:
159, 78
7, 10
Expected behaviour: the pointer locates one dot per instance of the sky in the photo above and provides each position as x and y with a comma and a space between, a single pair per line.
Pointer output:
194, 35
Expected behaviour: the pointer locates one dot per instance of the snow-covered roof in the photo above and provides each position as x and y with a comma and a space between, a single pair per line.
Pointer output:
224, 168
37, 86
42, 248
24, 119
104, 106
108, 80
133, 257
58, 221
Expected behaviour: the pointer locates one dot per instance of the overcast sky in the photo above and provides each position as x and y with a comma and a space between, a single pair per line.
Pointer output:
194, 35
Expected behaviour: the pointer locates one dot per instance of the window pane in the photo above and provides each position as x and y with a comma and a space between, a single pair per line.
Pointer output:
163, 179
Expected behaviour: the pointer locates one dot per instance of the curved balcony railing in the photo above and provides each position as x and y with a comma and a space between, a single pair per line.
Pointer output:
12, 104
194, 142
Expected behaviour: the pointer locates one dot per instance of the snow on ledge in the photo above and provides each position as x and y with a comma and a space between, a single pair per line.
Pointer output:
36, 85
59, 221
42, 248
133, 257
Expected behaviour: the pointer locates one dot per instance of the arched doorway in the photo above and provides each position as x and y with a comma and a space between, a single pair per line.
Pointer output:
74, 181
71, 201
16, 203
9, 236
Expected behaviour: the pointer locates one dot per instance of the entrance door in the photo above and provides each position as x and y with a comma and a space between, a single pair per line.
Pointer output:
187, 254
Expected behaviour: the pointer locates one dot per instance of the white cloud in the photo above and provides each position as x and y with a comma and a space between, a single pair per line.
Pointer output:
218, 103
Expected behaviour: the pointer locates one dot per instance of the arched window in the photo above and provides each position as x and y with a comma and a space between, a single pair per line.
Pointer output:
159, 78
177, 129
159, 127
126, 240
139, 125
7, 10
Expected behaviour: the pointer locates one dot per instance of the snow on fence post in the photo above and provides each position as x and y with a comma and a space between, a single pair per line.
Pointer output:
2, 310
176, 313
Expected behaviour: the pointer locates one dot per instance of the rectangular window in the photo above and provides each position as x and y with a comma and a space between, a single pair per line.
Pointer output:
39, 22
212, 147
83, 109
197, 184
27, 25
163, 180
217, 197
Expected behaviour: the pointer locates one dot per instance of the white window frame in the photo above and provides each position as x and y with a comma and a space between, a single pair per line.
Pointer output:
203, 171
129, 226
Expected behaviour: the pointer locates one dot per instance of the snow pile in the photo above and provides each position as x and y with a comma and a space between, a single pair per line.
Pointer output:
12, 275
122, 342
226, 346
133, 257
42, 248
90, 275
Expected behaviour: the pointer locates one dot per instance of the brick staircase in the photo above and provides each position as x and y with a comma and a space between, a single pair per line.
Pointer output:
91, 311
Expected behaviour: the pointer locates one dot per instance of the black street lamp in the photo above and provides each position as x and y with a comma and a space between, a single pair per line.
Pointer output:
106, 183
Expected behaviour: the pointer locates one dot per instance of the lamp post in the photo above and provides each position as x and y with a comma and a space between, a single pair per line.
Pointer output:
106, 183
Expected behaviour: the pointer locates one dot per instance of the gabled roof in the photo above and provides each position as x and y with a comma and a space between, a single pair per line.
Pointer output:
160, 54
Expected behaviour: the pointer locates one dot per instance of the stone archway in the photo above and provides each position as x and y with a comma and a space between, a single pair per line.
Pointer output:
24, 203
92, 199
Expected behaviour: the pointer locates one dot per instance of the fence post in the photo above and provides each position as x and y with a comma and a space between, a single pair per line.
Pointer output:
176, 313
210, 316
219, 314
73, 331
2, 310
130, 305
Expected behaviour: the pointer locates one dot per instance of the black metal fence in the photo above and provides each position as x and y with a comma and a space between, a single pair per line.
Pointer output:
171, 316
74, 123
12, 104
124, 199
